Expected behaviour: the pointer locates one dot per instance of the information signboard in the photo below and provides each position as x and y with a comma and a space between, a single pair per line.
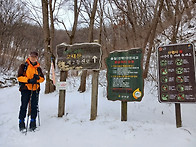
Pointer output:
79, 56
124, 75
177, 73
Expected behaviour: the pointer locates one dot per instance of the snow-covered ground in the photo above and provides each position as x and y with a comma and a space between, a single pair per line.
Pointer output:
149, 124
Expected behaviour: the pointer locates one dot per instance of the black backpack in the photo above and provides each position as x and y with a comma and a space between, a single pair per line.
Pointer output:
21, 84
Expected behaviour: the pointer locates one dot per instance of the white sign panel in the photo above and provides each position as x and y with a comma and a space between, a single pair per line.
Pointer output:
61, 85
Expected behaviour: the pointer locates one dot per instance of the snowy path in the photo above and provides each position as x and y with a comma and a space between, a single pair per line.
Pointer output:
150, 124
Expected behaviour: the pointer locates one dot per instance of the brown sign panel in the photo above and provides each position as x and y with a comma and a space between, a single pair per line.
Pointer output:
177, 73
79, 56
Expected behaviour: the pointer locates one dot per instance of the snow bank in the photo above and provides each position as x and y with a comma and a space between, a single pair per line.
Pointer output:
149, 123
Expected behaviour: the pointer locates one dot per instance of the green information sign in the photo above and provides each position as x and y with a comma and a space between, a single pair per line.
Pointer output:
124, 75
177, 73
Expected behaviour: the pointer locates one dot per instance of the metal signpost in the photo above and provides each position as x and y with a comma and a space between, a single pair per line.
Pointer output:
82, 56
177, 75
125, 77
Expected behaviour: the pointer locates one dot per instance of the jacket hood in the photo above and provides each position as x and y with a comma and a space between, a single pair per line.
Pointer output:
29, 62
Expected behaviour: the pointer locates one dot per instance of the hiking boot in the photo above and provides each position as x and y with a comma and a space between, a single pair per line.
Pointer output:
33, 124
21, 125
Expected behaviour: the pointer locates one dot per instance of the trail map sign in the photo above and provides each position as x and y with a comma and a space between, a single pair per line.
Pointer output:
177, 73
79, 56
124, 75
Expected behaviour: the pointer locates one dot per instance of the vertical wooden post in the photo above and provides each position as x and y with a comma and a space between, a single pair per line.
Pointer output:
61, 107
178, 115
94, 95
123, 111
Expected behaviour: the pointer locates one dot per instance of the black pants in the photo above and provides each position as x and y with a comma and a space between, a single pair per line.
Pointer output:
25, 97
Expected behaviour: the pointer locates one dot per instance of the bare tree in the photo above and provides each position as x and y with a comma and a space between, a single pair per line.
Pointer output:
102, 5
48, 8
128, 7
176, 13
139, 16
151, 36
12, 18
71, 34
82, 87
47, 52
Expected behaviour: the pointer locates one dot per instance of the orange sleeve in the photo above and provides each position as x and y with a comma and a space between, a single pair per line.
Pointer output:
21, 77
41, 75
40, 80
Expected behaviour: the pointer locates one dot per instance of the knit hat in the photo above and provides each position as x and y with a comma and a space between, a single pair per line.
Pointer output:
34, 54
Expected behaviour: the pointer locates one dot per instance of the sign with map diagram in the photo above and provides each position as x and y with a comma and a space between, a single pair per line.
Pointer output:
79, 56
177, 73
125, 75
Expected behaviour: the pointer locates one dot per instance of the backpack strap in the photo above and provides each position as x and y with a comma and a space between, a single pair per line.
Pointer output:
22, 85
25, 67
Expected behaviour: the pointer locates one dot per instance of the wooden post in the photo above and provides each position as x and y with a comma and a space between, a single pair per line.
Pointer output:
178, 115
61, 108
123, 111
94, 95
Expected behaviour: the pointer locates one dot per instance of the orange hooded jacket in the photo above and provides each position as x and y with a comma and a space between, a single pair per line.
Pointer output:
23, 76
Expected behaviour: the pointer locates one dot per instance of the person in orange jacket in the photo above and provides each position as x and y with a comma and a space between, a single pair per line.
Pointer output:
29, 76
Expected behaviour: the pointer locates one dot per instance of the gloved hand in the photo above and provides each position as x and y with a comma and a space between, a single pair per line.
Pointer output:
32, 81
36, 77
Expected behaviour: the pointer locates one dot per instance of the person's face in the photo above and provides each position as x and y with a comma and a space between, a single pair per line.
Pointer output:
33, 59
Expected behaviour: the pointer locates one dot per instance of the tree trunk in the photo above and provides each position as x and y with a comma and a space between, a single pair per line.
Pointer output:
154, 26
188, 11
82, 87
101, 22
52, 51
46, 43
76, 13
130, 16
